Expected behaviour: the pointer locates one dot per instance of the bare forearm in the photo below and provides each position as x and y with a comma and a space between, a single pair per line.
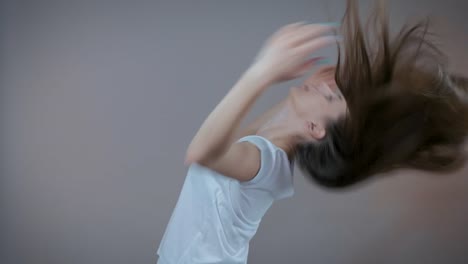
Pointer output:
218, 131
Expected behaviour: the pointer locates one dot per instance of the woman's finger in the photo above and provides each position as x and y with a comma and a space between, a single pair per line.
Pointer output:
307, 32
327, 69
308, 64
325, 72
287, 29
316, 44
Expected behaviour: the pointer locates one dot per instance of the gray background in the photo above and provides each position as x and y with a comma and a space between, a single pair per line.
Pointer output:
99, 101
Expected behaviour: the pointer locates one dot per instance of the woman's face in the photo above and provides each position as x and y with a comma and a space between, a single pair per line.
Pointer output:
319, 99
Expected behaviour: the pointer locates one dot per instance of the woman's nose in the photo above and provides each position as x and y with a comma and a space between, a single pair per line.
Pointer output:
327, 90
332, 85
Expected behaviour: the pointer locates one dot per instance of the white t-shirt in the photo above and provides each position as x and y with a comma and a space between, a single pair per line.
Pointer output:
216, 216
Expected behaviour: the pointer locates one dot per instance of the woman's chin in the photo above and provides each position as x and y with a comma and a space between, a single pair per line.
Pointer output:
293, 90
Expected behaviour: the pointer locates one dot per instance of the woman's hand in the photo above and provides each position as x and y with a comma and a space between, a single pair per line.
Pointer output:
284, 55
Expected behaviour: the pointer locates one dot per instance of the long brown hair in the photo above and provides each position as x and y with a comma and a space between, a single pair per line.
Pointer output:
404, 108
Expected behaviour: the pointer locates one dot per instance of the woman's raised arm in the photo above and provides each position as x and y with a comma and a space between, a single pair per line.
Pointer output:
283, 57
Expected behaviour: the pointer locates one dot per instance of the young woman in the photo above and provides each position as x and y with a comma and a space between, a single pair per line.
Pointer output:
232, 182
343, 124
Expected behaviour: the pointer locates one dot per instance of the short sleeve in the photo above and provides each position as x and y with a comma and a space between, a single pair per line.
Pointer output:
275, 173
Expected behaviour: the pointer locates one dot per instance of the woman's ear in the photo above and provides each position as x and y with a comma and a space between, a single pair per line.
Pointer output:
315, 130
459, 84
460, 80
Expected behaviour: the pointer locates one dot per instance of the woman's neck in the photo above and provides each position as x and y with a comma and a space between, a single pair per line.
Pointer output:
281, 135
283, 129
